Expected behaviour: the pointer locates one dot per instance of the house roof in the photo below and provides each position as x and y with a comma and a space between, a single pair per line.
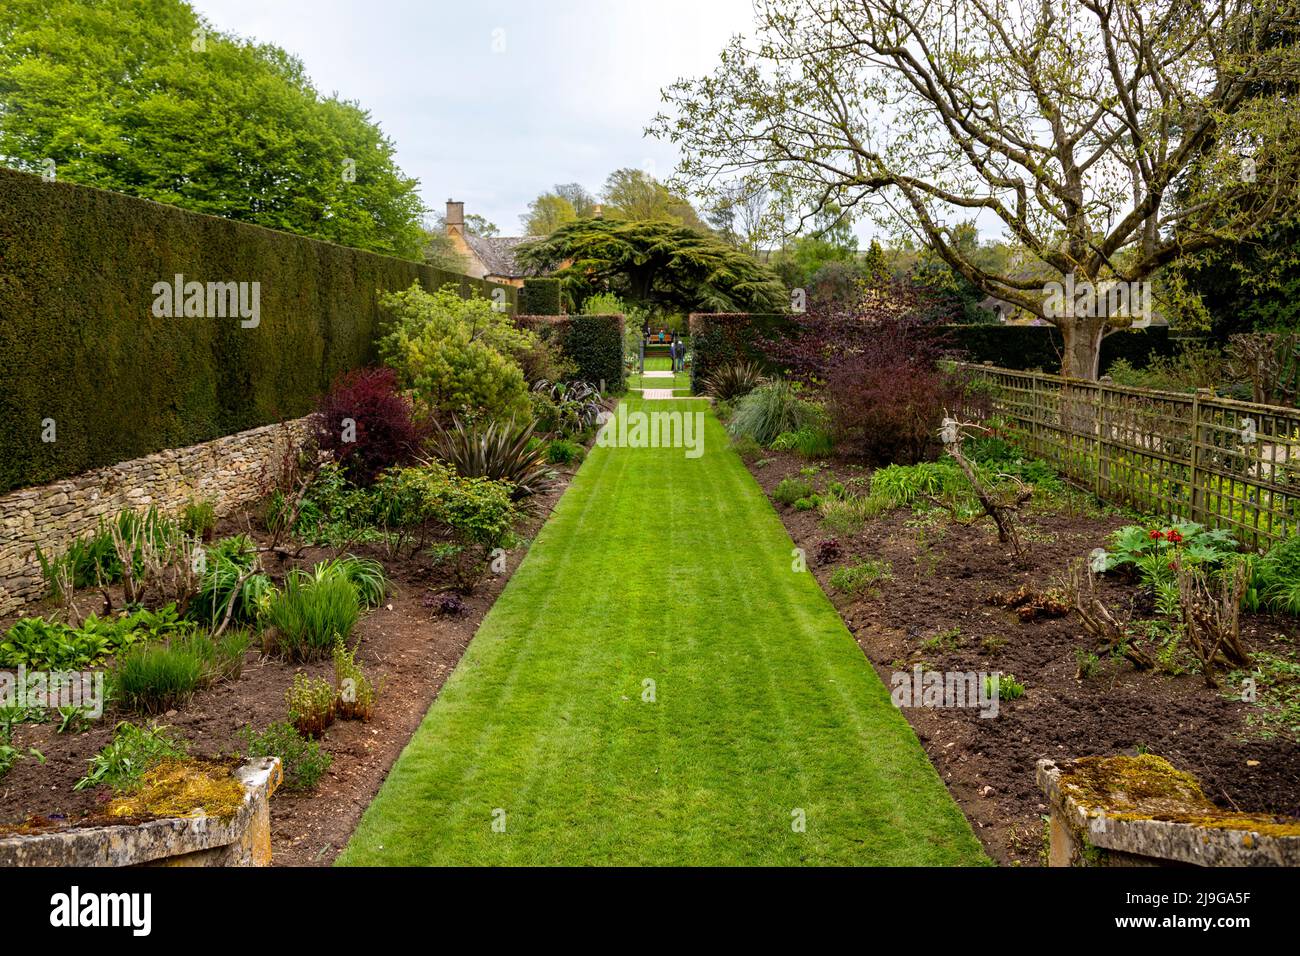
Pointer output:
497, 253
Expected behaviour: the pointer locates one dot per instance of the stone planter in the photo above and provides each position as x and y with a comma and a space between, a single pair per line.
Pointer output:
1140, 811
242, 840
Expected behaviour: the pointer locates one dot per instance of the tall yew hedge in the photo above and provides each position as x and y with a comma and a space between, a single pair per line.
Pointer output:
79, 344
594, 342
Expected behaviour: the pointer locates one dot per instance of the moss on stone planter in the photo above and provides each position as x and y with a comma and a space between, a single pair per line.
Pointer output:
1148, 787
183, 788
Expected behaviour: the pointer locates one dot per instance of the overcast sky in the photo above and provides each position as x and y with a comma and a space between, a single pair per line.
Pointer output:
494, 101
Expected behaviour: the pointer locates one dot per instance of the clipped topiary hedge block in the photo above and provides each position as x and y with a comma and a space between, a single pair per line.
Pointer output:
594, 342
720, 338
90, 375
540, 296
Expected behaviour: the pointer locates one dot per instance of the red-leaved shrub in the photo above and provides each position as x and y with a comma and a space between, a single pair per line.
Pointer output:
876, 368
364, 422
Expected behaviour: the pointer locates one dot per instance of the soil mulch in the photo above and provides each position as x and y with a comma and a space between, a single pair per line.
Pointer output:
407, 648
934, 611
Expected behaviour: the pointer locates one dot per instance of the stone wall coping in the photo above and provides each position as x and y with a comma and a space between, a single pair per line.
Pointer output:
151, 841
1165, 840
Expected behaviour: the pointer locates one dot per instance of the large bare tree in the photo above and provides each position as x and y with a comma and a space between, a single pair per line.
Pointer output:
1108, 138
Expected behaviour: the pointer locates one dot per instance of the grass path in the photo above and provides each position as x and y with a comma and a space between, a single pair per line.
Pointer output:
674, 570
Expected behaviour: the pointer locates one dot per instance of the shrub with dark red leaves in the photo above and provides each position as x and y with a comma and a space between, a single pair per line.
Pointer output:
876, 366
364, 422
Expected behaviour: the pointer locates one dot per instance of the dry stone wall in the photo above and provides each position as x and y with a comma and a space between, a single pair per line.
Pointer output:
228, 471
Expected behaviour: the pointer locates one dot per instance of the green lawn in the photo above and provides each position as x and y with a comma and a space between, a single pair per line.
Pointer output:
659, 567
680, 382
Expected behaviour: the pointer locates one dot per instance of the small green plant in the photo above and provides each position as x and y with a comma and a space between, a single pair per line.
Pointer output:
230, 575
311, 705
949, 640
131, 752
198, 518
1005, 686
847, 515
1089, 664
791, 490
852, 579
364, 574
308, 615
807, 504
155, 678
747, 448
354, 692
72, 720
302, 759
991, 644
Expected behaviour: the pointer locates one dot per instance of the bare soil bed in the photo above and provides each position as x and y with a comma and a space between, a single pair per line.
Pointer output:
933, 611
406, 646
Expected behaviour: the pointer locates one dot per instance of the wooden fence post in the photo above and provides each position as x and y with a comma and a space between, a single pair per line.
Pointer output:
1101, 439
1194, 499
1033, 414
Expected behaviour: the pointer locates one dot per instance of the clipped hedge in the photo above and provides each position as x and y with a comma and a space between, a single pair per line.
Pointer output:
1039, 347
540, 296
719, 338
80, 345
594, 342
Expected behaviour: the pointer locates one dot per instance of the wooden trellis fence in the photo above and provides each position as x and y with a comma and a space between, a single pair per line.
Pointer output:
1220, 462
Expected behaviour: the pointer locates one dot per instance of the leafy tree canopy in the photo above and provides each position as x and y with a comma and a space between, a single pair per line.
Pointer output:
665, 266
144, 97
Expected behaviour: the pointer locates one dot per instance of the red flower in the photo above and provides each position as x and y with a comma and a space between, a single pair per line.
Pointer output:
1157, 535
1173, 536
1173, 565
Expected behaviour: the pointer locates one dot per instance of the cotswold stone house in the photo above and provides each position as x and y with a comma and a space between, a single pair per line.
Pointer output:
486, 257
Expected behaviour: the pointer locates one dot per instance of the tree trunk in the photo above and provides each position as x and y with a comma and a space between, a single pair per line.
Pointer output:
1081, 356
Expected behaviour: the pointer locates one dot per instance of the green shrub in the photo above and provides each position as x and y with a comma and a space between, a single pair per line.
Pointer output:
791, 490
561, 452
500, 451
769, 410
747, 448
155, 678
593, 342
848, 515
223, 581
301, 758
734, 380
807, 442
1277, 576
307, 615
132, 751
852, 579
457, 355
905, 485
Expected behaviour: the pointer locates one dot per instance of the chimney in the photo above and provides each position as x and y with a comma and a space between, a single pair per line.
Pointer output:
455, 215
